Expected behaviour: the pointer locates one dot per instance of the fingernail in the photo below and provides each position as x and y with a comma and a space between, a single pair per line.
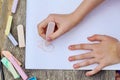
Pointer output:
70, 59
75, 66
71, 47
49, 39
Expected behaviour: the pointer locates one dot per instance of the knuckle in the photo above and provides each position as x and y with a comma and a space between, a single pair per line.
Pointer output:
105, 37
82, 56
97, 70
95, 35
51, 15
88, 62
82, 46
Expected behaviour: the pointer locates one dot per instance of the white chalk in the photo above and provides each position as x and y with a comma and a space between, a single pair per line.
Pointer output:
12, 39
21, 38
14, 6
50, 30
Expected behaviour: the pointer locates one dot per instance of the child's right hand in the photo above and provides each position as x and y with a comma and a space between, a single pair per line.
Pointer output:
64, 22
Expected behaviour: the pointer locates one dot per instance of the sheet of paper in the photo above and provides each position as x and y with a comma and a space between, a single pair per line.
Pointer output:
105, 19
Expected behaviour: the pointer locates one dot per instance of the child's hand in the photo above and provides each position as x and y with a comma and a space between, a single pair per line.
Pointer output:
105, 53
64, 22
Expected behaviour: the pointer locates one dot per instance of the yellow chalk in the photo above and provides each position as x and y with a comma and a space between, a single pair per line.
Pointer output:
8, 26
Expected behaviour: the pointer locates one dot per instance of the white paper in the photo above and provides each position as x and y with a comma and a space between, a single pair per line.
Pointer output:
105, 19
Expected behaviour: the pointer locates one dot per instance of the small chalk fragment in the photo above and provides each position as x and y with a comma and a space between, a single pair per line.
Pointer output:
21, 38
12, 39
14, 6
8, 27
32, 78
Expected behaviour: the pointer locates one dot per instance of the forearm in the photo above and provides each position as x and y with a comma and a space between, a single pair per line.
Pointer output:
85, 7
118, 49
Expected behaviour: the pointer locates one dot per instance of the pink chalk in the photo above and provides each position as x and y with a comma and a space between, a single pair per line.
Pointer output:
18, 68
16, 65
50, 30
7, 54
14, 6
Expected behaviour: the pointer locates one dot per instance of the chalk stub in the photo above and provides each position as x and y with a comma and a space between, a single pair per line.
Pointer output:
21, 38
12, 39
14, 6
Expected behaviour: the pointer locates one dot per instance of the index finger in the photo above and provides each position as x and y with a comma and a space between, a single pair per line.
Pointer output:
42, 28
81, 47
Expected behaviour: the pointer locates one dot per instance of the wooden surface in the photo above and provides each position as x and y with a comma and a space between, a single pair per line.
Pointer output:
19, 53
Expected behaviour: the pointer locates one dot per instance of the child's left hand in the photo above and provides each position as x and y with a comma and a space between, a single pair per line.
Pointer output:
104, 53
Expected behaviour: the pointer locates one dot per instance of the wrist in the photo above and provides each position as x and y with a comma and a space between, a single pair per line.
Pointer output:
76, 18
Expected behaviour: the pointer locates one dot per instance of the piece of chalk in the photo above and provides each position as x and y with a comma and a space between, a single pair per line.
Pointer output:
14, 6
8, 26
21, 38
16, 65
32, 78
12, 39
10, 67
50, 30
6, 54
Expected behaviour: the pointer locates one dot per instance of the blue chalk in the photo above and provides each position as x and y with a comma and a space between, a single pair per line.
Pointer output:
32, 78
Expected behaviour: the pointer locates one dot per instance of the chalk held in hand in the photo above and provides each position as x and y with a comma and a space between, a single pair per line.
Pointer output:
50, 30
21, 38
14, 6
12, 39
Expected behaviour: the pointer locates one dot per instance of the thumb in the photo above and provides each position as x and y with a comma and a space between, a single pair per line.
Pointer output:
55, 35
97, 37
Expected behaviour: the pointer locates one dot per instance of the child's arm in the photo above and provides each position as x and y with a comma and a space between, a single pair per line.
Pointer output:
65, 22
104, 53
85, 7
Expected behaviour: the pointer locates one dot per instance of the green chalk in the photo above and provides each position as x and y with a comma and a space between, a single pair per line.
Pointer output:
10, 67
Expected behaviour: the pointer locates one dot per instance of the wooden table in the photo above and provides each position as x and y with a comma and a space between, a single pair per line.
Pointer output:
19, 53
